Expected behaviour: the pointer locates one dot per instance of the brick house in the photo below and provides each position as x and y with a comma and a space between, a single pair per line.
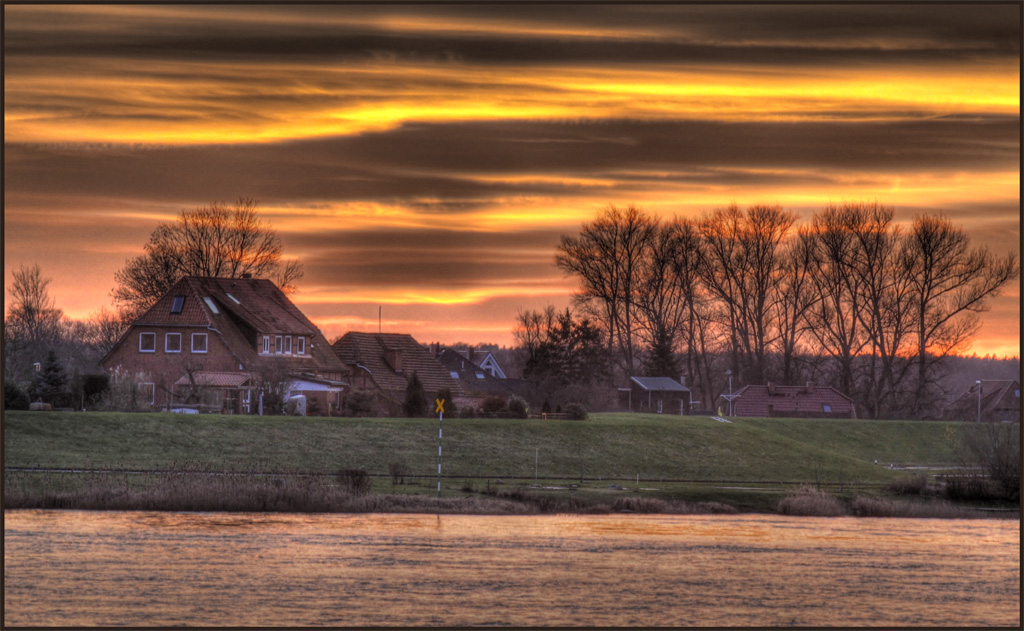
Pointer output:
999, 402
218, 341
808, 401
385, 363
479, 380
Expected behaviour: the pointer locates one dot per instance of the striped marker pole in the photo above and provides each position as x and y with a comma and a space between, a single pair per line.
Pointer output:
440, 433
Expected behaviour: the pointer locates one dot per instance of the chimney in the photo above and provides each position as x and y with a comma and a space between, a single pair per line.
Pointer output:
246, 275
682, 380
810, 387
394, 359
470, 353
771, 389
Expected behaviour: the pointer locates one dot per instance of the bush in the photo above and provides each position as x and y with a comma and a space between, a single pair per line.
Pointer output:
810, 502
912, 485
634, 504
94, 386
14, 398
576, 411
517, 407
493, 404
355, 481
467, 412
397, 469
971, 488
360, 403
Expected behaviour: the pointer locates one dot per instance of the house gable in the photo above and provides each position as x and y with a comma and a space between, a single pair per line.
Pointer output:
809, 401
389, 360
215, 325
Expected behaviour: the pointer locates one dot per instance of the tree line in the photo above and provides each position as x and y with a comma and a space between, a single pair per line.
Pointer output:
851, 299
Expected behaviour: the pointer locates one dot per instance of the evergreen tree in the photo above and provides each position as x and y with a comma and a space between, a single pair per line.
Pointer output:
415, 397
51, 380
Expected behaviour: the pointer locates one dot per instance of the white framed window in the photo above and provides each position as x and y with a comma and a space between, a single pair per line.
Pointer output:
147, 392
199, 342
172, 343
147, 342
277, 345
288, 345
301, 343
266, 344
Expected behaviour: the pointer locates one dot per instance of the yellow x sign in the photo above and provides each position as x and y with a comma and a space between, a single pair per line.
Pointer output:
440, 406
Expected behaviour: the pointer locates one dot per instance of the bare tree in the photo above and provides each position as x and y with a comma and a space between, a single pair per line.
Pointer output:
211, 240
742, 264
951, 283
606, 257
33, 324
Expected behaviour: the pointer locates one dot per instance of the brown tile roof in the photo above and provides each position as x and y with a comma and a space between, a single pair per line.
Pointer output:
457, 362
809, 400
372, 350
997, 396
240, 310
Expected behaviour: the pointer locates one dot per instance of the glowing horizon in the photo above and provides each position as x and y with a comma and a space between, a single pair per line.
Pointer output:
427, 158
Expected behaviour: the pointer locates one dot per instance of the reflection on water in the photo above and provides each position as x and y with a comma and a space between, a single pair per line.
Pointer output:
69, 568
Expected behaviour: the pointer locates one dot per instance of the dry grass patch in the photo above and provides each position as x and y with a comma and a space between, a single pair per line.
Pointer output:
807, 501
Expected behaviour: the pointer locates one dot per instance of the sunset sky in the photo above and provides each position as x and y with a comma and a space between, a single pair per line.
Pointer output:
426, 158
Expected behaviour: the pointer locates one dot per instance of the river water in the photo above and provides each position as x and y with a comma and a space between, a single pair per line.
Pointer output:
77, 568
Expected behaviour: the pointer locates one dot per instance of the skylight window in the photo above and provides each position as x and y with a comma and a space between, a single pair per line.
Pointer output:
454, 374
479, 375
237, 301
178, 304
209, 303
826, 407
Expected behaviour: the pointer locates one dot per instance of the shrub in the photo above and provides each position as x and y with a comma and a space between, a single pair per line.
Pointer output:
810, 502
970, 488
517, 407
576, 411
467, 412
355, 481
714, 508
493, 404
94, 386
909, 485
14, 398
639, 505
360, 403
397, 469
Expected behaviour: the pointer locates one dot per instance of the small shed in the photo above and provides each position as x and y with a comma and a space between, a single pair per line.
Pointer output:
659, 395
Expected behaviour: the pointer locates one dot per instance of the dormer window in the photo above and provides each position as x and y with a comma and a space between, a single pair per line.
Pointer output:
301, 343
178, 304
288, 345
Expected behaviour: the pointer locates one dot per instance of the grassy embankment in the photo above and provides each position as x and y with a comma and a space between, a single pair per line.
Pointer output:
683, 463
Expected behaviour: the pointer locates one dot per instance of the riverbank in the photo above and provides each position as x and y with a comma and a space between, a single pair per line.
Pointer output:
202, 491
609, 463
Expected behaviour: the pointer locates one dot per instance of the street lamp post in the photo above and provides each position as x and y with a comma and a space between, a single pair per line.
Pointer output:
978, 383
728, 373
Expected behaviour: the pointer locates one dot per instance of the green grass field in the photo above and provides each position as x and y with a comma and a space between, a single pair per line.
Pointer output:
748, 464
606, 446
